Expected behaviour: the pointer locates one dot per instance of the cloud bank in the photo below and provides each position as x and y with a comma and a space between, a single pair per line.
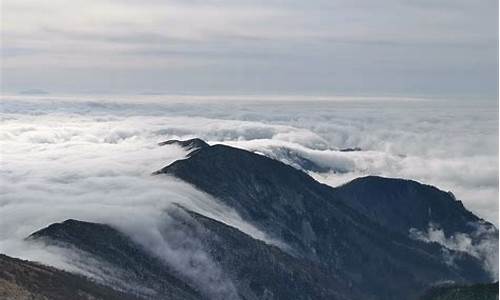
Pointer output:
449, 144
91, 159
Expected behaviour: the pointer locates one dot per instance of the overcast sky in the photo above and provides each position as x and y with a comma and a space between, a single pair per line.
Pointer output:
346, 47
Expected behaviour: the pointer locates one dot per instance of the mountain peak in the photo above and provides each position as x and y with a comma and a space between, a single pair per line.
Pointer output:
191, 144
402, 204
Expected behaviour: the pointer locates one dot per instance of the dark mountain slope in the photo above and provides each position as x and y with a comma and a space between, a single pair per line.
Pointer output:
463, 292
316, 222
401, 204
263, 271
133, 269
258, 269
23, 280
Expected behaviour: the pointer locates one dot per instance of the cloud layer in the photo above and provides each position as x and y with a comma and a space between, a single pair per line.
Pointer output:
454, 148
91, 159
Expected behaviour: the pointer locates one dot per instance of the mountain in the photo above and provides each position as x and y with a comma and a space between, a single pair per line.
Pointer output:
320, 226
298, 160
23, 280
191, 144
401, 204
263, 271
355, 149
132, 268
33, 92
346, 243
291, 277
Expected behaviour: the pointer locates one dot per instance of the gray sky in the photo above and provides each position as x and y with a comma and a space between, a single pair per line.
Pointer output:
364, 47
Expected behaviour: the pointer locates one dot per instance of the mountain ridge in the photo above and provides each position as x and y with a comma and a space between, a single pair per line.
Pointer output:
275, 196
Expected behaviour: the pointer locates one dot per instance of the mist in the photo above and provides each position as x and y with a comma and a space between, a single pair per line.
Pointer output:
482, 244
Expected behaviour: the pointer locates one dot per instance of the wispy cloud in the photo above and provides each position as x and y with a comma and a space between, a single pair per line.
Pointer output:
482, 244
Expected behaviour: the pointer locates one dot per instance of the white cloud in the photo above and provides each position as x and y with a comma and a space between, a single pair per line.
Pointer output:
452, 148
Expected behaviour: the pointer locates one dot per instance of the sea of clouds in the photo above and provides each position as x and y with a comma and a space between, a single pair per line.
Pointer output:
90, 158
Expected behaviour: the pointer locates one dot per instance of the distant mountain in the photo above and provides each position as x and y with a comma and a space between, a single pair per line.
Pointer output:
355, 149
346, 243
191, 144
300, 161
33, 92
